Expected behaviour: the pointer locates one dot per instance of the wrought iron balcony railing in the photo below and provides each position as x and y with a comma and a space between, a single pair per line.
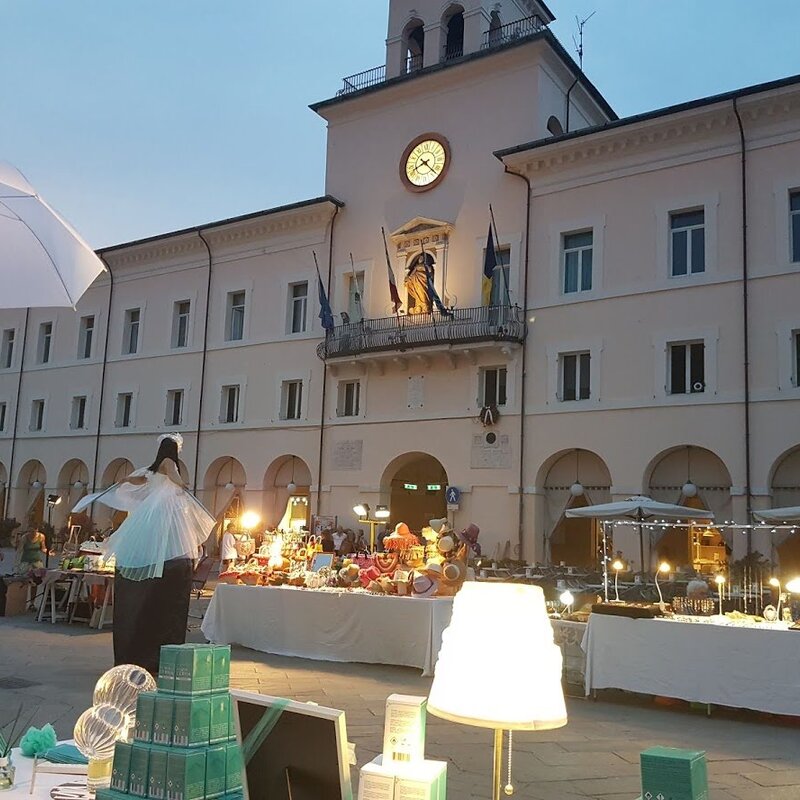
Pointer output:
495, 37
410, 331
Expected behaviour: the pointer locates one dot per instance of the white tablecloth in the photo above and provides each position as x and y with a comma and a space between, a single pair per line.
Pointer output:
329, 626
755, 667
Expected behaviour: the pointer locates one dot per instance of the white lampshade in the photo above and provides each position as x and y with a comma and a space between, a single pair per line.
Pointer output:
291, 487
511, 680
689, 489
577, 490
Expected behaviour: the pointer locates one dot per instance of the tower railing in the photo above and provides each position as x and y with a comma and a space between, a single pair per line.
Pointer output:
495, 37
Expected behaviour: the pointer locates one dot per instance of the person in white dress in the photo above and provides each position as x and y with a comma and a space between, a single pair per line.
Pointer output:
154, 550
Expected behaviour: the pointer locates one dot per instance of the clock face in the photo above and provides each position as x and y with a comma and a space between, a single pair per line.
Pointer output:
425, 162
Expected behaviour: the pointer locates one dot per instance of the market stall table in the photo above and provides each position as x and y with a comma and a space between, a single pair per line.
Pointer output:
328, 625
705, 660
45, 782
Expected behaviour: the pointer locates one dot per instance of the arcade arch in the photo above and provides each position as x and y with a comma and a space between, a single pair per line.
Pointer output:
573, 479
785, 490
286, 496
30, 490
414, 486
224, 487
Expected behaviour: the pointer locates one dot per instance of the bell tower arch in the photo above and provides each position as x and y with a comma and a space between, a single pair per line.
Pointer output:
427, 32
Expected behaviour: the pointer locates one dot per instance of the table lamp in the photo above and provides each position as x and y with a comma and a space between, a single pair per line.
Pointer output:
720, 581
664, 568
516, 653
567, 599
617, 566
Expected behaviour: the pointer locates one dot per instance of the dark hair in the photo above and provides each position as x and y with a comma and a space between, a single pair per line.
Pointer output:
167, 449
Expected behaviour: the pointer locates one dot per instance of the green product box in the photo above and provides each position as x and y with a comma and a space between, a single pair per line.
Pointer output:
157, 780
232, 721
233, 767
673, 773
166, 667
216, 770
193, 664
111, 794
186, 775
122, 766
162, 719
140, 762
220, 718
145, 710
191, 721
221, 668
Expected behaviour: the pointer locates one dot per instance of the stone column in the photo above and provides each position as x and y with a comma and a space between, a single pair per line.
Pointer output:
433, 44
395, 57
476, 22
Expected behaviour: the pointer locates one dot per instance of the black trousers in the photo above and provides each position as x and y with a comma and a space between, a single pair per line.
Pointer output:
148, 614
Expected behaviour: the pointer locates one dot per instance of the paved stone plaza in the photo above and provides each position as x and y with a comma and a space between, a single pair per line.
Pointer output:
595, 756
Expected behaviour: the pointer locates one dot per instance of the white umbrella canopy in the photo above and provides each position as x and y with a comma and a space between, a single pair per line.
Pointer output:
776, 515
44, 261
639, 508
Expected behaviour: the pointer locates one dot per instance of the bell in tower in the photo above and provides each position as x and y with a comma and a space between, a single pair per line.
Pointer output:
421, 34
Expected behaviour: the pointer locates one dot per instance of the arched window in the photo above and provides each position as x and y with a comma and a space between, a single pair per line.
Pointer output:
414, 51
454, 27
554, 126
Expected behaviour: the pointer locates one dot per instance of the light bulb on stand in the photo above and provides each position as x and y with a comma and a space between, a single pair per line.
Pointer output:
720, 581
617, 566
567, 599
663, 568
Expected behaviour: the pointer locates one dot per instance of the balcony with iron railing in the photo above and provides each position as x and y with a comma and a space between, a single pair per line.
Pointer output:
495, 37
460, 326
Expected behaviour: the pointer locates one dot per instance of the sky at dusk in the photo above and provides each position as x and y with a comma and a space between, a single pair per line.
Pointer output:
136, 117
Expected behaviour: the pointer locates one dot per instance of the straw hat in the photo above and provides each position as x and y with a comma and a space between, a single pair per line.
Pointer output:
446, 544
454, 572
423, 585
433, 569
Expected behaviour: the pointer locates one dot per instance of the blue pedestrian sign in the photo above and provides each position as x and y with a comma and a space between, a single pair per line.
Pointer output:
452, 495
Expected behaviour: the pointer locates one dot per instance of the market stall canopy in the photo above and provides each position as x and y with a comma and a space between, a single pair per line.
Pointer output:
44, 262
639, 508
777, 515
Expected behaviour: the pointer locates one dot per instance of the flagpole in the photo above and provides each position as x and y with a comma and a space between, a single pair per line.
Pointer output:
497, 261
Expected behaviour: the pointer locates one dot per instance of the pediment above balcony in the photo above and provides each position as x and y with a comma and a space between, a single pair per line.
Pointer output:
420, 231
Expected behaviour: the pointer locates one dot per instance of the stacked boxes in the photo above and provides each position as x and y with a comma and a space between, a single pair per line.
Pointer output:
402, 771
675, 774
184, 745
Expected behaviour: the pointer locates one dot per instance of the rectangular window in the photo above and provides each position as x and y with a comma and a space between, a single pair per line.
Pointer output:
794, 224
3, 411
577, 264
298, 306
349, 399
174, 415
86, 337
77, 420
291, 399
501, 277
575, 376
687, 369
37, 415
7, 351
688, 242
124, 408
355, 296
229, 412
45, 342
130, 340
234, 325
180, 323
493, 386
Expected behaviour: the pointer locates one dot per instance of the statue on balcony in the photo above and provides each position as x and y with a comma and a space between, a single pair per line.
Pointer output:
416, 283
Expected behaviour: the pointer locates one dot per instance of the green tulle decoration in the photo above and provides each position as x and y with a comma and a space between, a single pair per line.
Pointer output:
37, 741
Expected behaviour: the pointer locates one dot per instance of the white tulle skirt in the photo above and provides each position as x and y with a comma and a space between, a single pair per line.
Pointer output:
164, 522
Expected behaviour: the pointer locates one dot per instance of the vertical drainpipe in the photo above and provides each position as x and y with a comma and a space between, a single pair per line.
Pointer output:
203, 366
16, 416
522, 393
569, 92
102, 381
746, 324
325, 371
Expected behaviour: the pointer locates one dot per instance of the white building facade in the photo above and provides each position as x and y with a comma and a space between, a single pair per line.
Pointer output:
642, 333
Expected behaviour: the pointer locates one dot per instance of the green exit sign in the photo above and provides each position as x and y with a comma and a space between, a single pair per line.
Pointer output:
434, 487
412, 487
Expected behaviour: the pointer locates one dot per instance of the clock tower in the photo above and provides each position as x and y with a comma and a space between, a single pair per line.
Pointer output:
427, 32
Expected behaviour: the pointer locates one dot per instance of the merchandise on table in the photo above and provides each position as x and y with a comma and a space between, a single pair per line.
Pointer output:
185, 745
408, 568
